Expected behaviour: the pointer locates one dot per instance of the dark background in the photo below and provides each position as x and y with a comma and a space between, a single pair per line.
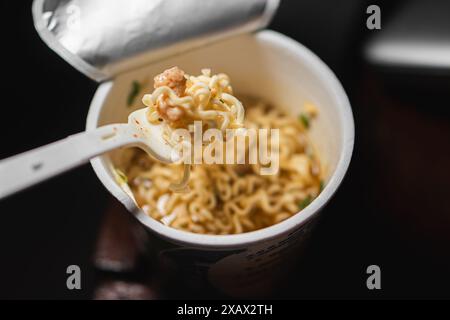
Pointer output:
392, 209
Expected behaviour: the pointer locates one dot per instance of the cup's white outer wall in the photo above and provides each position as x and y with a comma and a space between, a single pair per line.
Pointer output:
299, 75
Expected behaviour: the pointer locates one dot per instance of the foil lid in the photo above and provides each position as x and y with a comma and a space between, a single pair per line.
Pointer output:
103, 38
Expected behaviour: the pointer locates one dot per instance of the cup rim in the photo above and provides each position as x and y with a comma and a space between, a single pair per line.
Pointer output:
244, 239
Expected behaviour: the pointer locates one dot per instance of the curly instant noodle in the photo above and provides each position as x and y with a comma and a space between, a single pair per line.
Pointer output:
221, 198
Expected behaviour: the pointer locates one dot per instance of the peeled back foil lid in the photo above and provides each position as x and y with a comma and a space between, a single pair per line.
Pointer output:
103, 38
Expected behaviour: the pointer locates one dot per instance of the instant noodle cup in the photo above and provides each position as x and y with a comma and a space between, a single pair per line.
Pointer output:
263, 64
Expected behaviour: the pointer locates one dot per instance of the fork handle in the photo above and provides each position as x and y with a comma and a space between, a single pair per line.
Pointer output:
29, 168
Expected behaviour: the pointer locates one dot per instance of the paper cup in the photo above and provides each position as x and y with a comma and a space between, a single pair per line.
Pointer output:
281, 71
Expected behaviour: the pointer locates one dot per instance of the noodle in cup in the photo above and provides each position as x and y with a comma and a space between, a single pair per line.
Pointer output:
278, 70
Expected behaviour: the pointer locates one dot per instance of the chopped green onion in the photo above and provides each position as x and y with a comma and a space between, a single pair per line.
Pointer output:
135, 89
304, 119
305, 202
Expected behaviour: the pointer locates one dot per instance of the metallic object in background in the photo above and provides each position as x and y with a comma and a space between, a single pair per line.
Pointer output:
102, 38
118, 245
418, 36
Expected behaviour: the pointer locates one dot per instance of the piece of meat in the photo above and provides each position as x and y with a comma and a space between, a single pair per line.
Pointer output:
168, 112
172, 78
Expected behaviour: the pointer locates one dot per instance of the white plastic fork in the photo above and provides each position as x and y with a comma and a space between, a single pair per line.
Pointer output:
29, 168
